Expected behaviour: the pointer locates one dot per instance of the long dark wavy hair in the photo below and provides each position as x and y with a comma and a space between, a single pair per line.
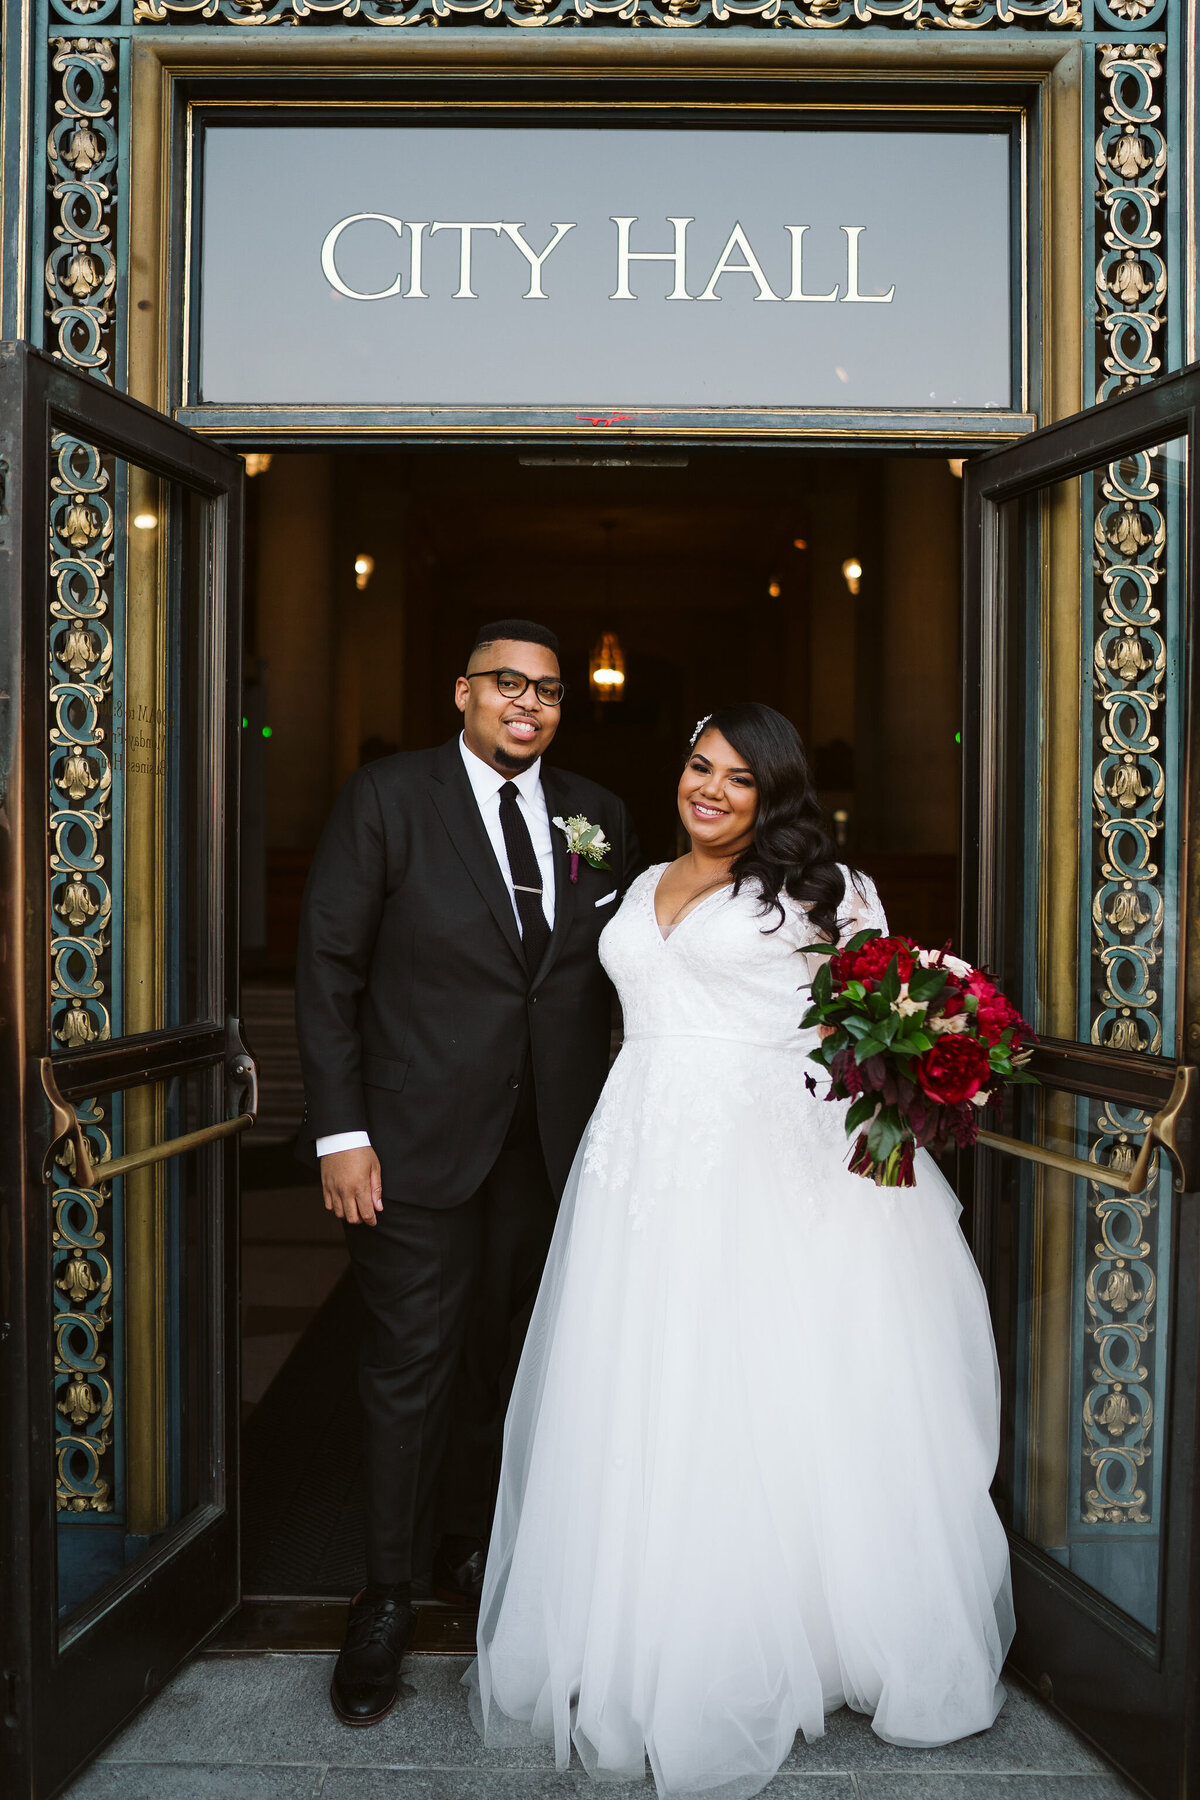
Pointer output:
794, 851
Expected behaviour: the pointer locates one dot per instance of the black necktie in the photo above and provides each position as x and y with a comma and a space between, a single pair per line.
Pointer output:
526, 878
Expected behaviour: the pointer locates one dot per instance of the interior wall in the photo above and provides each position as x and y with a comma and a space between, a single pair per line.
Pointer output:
698, 571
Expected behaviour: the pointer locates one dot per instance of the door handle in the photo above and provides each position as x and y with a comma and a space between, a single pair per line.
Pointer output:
65, 1126
1173, 1129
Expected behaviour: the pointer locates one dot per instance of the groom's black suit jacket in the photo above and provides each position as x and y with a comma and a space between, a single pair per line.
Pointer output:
417, 1016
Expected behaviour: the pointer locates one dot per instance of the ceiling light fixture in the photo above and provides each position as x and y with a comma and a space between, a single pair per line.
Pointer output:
774, 590
606, 668
257, 461
364, 568
852, 573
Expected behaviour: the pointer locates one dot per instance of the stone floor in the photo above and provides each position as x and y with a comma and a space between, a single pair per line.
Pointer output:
260, 1728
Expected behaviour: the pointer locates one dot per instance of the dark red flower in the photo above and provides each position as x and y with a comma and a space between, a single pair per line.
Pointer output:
870, 964
954, 1070
994, 1014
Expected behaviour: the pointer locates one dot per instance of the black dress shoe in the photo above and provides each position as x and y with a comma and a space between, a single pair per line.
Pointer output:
458, 1571
366, 1676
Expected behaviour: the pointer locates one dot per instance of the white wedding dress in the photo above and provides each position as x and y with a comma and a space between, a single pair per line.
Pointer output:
747, 1457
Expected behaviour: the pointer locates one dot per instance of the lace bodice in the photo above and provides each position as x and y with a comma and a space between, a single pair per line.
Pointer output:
719, 974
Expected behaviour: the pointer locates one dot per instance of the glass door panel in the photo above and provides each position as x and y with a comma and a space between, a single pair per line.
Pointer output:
1078, 619
118, 1196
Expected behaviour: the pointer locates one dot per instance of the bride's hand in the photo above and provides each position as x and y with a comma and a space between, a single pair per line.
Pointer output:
824, 1031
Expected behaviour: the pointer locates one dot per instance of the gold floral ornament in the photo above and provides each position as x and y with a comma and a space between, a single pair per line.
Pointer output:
78, 650
1120, 1291
1127, 784
583, 840
78, 1280
83, 275
1117, 1415
1129, 657
79, 1403
1127, 532
79, 524
1129, 156
77, 1027
1127, 911
84, 150
1126, 1034
76, 905
1129, 281
76, 778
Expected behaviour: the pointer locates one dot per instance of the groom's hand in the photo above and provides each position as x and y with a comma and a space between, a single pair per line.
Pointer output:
352, 1185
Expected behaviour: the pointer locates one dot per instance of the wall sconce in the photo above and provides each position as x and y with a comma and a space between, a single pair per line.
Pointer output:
799, 543
852, 573
364, 568
257, 461
841, 827
145, 521
774, 590
606, 668
955, 465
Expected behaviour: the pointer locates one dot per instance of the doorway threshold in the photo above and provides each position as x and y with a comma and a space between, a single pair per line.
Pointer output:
316, 1626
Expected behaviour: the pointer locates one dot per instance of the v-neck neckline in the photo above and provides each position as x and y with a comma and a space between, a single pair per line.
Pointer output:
666, 936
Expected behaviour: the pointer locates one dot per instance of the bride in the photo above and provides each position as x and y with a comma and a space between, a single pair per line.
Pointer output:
747, 1456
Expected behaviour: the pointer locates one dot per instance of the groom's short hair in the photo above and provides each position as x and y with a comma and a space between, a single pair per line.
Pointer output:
520, 631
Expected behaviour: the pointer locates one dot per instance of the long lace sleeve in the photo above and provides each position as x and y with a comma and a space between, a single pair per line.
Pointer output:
861, 910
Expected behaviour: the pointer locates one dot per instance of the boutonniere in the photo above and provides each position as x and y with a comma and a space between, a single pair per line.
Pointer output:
584, 840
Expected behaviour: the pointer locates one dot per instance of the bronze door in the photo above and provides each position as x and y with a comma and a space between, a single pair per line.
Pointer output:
125, 1082
1080, 851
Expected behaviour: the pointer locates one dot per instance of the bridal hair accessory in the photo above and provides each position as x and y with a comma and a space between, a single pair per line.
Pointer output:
918, 1040
583, 840
695, 737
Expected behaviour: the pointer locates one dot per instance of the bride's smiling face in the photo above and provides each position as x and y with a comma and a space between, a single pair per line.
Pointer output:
718, 799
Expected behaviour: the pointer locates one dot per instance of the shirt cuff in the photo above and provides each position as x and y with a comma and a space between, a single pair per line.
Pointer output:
343, 1140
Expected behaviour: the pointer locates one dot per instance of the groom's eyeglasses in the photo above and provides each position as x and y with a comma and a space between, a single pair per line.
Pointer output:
512, 684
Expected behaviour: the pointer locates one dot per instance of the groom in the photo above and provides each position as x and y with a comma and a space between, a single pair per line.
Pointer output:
454, 1029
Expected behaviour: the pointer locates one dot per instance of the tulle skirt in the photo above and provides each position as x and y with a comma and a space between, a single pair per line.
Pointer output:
747, 1457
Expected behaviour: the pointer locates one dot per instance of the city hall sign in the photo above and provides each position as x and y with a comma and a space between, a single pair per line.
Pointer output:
492, 265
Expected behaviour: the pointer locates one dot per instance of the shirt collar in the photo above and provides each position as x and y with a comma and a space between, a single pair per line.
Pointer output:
486, 781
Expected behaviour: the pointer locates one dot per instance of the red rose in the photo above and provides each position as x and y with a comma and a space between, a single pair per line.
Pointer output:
954, 1070
870, 964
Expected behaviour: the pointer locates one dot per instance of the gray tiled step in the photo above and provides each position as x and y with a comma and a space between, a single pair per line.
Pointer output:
260, 1728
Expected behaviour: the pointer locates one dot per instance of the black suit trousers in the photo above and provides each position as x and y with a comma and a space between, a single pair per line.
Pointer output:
448, 1293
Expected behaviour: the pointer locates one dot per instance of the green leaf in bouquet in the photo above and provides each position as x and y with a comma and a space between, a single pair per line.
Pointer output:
919, 1042
859, 939
868, 1046
889, 987
887, 1028
925, 985
856, 1027
886, 1132
822, 986
854, 991
860, 1112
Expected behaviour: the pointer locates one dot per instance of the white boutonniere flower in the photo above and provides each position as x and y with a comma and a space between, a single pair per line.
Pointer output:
583, 839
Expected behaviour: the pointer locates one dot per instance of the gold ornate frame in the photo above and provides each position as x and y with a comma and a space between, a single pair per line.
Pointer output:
170, 76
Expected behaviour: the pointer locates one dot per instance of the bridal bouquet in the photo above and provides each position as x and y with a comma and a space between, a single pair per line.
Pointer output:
918, 1041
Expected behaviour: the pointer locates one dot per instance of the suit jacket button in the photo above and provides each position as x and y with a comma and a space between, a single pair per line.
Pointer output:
513, 1082
533, 999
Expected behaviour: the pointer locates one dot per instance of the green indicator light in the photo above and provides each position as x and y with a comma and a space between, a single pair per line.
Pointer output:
245, 722
266, 731
958, 737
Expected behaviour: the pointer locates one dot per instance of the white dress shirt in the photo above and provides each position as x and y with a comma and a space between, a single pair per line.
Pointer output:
486, 784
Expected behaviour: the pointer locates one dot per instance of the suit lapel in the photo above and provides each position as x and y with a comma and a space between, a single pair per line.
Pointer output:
555, 791
455, 802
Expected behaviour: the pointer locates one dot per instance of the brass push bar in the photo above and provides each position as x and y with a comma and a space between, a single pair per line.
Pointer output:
1172, 1128
64, 1124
